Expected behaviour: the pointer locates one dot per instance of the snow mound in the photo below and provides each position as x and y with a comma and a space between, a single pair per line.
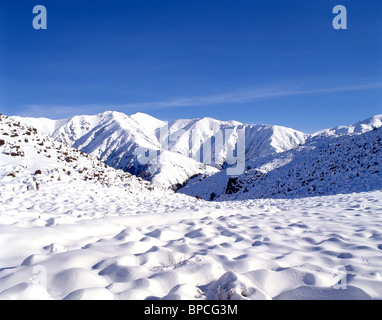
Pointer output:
312, 248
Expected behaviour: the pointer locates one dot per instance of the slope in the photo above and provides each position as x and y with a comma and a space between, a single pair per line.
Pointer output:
326, 164
31, 160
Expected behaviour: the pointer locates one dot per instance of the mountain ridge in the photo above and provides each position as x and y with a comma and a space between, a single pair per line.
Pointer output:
117, 140
177, 149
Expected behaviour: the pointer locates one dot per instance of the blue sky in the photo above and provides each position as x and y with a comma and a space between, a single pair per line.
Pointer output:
274, 62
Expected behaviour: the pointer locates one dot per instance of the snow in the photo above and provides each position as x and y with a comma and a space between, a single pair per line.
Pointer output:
101, 233
256, 250
176, 169
148, 122
360, 127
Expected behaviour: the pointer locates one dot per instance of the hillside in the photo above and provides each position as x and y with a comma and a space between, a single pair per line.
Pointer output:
340, 162
31, 160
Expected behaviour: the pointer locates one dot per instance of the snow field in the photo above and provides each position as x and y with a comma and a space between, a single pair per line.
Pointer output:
263, 249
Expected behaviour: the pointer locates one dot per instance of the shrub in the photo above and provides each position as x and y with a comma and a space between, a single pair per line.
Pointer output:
18, 154
233, 185
70, 159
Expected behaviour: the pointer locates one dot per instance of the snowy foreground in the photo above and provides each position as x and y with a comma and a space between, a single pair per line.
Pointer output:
84, 242
73, 228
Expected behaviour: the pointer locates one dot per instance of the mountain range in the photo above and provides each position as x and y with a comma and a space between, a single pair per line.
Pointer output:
117, 139
280, 156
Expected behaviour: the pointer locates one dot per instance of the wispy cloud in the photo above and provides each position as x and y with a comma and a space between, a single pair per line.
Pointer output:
377, 85
243, 96
53, 111
234, 97
239, 96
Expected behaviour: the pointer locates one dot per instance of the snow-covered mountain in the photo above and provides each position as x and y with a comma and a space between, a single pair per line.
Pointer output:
118, 140
174, 153
260, 140
339, 160
30, 160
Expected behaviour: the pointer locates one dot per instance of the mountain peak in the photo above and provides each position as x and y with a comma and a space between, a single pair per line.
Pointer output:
375, 121
147, 122
363, 126
113, 115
